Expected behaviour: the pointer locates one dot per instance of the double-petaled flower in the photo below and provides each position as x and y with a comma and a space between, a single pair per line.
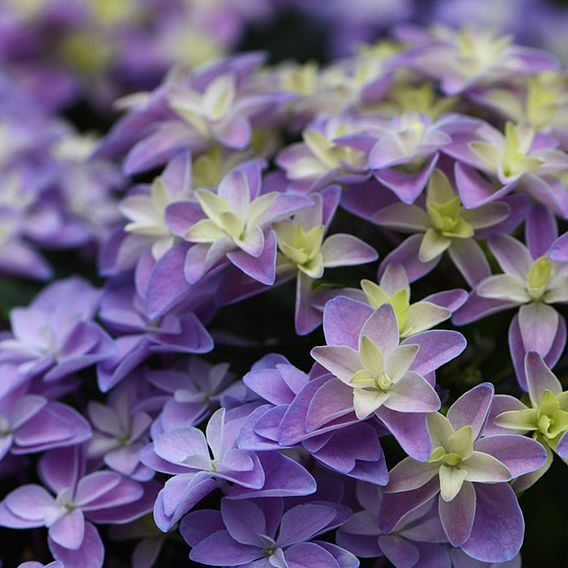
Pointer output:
442, 224
477, 507
545, 417
233, 222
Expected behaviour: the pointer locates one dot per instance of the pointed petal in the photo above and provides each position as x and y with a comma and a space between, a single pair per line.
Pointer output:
540, 378
457, 515
521, 455
484, 468
413, 393
451, 481
340, 360
472, 408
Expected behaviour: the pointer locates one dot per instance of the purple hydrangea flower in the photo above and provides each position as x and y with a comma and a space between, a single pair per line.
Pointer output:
394, 289
233, 223
353, 449
478, 509
385, 378
418, 538
31, 423
441, 224
194, 387
546, 417
120, 433
55, 336
80, 500
530, 280
261, 533
462, 60
201, 462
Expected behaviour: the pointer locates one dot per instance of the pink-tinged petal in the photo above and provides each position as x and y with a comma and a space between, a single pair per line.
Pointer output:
498, 528
283, 206
477, 307
303, 522
339, 312
235, 134
505, 288
340, 360
403, 217
382, 329
410, 474
253, 242
513, 257
235, 187
412, 393
539, 378
484, 468
410, 431
69, 530
306, 317
245, 521
220, 549
407, 254
519, 454
346, 250
501, 403
29, 502
488, 216
309, 555
407, 187
261, 268
540, 230
474, 190
470, 260
452, 300
399, 551
457, 515
180, 216
472, 408
437, 347
538, 324
90, 554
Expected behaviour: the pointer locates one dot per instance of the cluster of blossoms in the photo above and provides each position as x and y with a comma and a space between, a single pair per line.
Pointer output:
64, 50
106, 48
55, 194
446, 152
